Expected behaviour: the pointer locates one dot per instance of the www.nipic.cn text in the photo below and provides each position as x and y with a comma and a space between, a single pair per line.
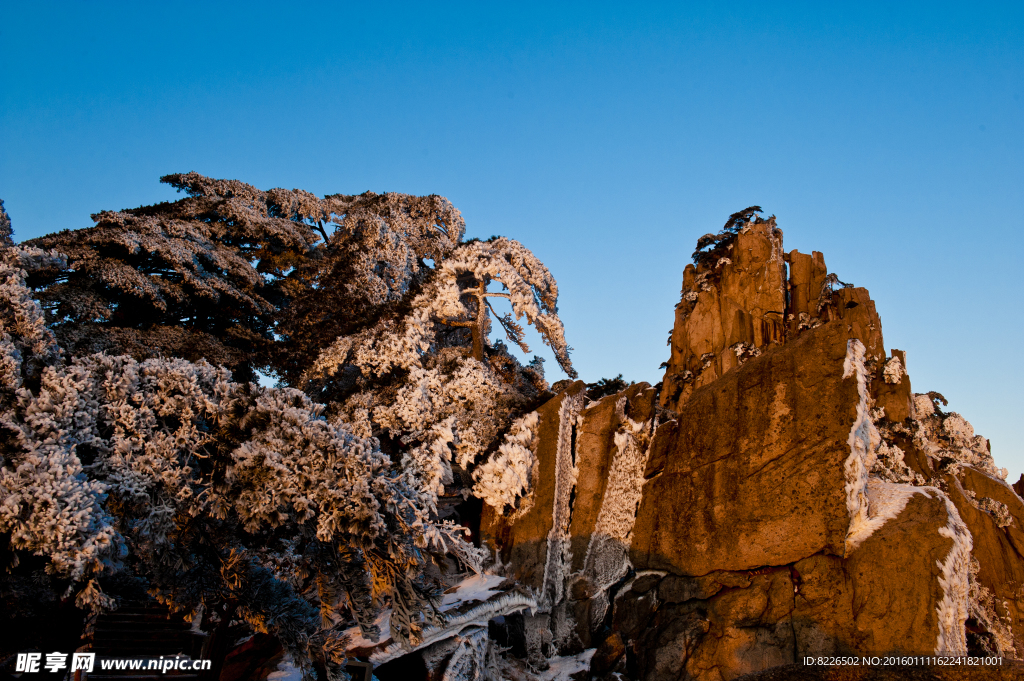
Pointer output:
29, 663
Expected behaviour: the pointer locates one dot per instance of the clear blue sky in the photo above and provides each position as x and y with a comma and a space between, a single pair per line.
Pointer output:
607, 138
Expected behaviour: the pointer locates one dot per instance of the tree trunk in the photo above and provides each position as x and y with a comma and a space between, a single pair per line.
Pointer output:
220, 641
481, 319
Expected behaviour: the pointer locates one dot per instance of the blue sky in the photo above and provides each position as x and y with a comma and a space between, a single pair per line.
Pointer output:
605, 137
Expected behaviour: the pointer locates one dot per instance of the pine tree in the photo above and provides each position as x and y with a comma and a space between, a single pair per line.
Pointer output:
243, 278
234, 497
137, 451
5, 227
719, 243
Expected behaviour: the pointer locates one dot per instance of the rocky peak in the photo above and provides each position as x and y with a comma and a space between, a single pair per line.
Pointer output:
746, 295
785, 495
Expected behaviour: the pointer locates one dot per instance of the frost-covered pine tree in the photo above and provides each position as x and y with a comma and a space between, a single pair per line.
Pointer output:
429, 382
137, 454
244, 278
5, 227
219, 497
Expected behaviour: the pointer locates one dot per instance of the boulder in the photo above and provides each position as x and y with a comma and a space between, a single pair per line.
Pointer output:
882, 598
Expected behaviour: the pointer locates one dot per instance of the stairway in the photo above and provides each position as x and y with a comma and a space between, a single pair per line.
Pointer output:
143, 630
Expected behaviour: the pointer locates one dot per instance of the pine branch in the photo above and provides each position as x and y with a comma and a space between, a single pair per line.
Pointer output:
513, 331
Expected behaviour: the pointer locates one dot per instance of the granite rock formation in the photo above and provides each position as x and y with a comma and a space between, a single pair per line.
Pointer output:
782, 493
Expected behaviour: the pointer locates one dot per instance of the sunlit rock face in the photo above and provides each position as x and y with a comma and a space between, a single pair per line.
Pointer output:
782, 493
749, 297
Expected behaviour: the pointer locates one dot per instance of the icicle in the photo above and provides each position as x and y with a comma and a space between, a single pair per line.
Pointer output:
863, 442
559, 558
954, 580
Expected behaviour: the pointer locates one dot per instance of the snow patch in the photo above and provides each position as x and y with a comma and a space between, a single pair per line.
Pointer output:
356, 639
286, 671
562, 668
475, 588
893, 371
886, 500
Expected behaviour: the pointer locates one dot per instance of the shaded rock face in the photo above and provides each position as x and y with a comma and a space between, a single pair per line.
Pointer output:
572, 545
789, 496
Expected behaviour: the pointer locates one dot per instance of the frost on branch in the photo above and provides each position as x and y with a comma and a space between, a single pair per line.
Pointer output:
893, 371
404, 377
26, 343
48, 507
240, 276
890, 466
949, 436
221, 492
429, 463
454, 298
141, 448
526, 283
507, 475
47, 504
